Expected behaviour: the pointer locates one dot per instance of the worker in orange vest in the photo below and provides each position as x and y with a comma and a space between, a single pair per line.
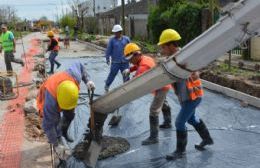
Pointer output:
54, 48
142, 64
189, 92
56, 101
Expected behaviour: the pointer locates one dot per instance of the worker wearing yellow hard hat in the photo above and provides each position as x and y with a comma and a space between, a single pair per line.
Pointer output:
54, 48
141, 64
189, 92
57, 99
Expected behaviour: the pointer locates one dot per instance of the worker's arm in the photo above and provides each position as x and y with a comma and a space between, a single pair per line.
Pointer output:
141, 69
0, 44
51, 118
109, 50
79, 72
133, 68
11, 37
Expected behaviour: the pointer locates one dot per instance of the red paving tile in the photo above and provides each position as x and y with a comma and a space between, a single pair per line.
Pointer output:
12, 126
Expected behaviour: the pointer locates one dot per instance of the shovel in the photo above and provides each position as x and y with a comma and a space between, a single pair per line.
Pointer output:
91, 157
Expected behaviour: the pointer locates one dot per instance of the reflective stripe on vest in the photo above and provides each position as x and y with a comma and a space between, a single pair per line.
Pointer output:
51, 85
7, 44
194, 88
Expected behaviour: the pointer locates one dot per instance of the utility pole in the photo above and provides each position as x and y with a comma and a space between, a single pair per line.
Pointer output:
94, 7
123, 15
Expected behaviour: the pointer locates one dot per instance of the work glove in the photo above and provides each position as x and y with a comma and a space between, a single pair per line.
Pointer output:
126, 72
91, 85
61, 151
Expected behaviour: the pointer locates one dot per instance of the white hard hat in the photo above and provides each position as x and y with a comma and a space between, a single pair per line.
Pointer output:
117, 28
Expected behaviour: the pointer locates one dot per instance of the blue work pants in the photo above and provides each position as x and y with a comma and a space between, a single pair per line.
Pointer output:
187, 114
114, 68
52, 59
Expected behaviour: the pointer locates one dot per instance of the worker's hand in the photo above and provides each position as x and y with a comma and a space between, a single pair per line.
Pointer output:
61, 151
91, 85
108, 62
126, 72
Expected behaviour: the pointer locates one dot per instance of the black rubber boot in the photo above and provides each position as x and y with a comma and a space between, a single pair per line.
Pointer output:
166, 110
204, 134
154, 129
181, 144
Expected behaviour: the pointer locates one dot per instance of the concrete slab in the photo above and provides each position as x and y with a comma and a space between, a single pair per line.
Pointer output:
235, 130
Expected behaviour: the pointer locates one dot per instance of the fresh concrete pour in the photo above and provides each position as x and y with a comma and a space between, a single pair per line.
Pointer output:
235, 129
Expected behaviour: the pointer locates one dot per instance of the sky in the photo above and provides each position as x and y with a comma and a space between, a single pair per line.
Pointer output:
34, 9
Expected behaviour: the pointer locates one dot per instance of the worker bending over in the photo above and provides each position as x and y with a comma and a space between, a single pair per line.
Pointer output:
142, 64
115, 55
59, 95
54, 48
189, 92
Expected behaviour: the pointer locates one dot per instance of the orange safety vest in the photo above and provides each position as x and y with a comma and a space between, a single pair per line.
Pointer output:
194, 88
51, 85
57, 47
149, 63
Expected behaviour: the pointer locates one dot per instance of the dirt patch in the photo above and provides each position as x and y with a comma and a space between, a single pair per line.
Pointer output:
243, 81
33, 130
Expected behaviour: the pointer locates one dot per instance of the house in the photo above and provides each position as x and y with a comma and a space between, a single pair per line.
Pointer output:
98, 6
136, 19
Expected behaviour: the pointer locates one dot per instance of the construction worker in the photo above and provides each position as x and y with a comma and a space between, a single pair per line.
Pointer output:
56, 101
8, 44
115, 51
54, 48
142, 64
189, 92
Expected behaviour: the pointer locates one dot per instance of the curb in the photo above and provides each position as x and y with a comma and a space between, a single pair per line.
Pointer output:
251, 100
93, 45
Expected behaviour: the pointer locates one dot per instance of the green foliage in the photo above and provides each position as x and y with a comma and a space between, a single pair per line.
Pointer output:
68, 20
183, 16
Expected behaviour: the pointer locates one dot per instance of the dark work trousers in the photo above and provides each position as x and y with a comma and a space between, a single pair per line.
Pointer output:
9, 58
52, 59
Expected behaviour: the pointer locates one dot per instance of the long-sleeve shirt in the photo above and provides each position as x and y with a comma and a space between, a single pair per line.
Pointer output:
51, 114
145, 64
115, 49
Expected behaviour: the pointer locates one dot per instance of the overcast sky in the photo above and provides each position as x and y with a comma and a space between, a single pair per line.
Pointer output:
34, 9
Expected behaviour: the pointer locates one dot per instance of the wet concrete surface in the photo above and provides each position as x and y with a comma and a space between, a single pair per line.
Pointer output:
235, 129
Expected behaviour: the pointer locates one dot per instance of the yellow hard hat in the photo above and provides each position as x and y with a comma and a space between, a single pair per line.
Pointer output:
50, 34
67, 95
169, 35
130, 49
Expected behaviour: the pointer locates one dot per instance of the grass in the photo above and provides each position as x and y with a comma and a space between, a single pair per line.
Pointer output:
223, 68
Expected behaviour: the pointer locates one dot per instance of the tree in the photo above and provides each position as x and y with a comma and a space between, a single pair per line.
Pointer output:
44, 18
80, 10
8, 15
68, 20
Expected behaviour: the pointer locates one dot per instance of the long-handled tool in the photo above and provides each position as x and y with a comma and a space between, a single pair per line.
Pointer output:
52, 157
24, 54
95, 147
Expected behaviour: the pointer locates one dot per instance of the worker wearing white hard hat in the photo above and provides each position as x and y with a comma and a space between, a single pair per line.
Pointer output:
115, 55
